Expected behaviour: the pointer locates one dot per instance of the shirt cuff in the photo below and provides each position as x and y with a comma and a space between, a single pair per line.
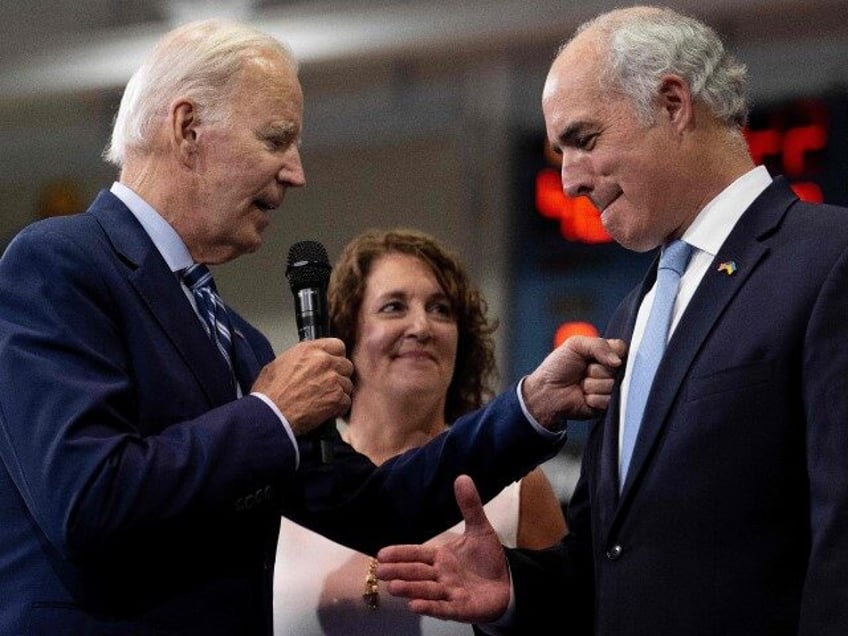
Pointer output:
553, 435
284, 422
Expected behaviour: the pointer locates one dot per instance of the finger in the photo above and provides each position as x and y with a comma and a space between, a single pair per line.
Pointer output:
346, 384
597, 370
425, 590
598, 402
597, 385
591, 348
406, 571
407, 553
343, 366
468, 500
606, 351
334, 346
618, 346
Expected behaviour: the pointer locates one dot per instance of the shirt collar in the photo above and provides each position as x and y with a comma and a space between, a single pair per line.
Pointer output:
717, 219
163, 235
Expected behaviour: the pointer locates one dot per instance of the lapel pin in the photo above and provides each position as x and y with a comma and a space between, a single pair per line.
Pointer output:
728, 267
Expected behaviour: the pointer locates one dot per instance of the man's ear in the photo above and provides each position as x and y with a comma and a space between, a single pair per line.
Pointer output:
675, 101
184, 130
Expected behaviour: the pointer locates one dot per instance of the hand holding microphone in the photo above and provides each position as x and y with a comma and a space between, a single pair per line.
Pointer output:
309, 382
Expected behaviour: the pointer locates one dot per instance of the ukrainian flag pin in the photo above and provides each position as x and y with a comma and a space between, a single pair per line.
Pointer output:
728, 267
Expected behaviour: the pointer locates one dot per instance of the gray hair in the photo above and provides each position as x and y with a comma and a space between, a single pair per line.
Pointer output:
645, 43
197, 60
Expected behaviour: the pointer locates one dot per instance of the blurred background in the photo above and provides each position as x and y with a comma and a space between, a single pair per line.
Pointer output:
421, 114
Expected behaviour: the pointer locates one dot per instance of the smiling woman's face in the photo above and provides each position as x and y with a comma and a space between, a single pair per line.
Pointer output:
406, 336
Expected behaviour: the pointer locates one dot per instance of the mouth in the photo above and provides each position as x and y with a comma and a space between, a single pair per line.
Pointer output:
267, 205
603, 208
416, 355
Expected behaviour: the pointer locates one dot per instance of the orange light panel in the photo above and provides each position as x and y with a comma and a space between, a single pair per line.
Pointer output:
808, 191
579, 219
577, 328
799, 141
762, 143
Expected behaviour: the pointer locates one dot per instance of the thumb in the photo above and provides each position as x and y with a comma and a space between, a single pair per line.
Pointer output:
618, 348
470, 505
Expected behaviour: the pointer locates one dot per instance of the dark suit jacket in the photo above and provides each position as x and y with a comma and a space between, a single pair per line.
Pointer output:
734, 516
137, 496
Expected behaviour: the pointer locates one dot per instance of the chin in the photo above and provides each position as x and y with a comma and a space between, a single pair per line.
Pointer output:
636, 244
633, 241
252, 245
420, 383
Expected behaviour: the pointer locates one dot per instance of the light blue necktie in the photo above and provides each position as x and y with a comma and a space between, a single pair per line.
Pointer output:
199, 280
673, 262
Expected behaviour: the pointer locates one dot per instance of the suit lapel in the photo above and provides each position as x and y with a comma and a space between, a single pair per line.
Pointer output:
621, 326
744, 246
161, 292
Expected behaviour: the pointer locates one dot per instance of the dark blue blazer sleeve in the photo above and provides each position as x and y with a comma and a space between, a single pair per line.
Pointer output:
410, 498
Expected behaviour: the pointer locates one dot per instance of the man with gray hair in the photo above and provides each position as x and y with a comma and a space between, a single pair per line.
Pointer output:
149, 437
713, 495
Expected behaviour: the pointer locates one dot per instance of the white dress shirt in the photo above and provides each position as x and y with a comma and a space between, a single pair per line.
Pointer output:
706, 235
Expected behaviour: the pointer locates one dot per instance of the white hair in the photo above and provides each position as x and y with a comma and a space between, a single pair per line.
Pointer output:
197, 60
644, 43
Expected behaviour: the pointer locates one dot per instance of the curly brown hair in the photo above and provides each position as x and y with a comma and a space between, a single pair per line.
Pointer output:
475, 370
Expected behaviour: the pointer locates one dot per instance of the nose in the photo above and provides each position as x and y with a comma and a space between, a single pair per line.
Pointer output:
291, 172
419, 325
576, 174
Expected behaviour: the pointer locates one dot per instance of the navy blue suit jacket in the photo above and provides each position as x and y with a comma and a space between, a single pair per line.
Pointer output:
137, 495
734, 516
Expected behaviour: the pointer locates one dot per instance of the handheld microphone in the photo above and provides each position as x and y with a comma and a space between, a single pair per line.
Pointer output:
308, 272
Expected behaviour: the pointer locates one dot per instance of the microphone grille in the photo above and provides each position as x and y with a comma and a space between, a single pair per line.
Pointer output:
308, 265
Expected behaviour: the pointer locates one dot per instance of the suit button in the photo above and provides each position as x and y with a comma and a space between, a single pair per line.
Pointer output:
614, 553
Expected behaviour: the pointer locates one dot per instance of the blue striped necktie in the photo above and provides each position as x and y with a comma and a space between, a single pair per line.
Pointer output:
673, 262
211, 308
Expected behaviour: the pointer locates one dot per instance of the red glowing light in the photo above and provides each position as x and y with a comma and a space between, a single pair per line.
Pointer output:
579, 219
576, 328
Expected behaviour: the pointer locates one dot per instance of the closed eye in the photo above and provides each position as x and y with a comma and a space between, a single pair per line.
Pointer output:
580, 136
586, 142
279, 137
277, 143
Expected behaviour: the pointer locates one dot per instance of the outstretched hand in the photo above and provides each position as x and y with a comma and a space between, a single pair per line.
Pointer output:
465, 578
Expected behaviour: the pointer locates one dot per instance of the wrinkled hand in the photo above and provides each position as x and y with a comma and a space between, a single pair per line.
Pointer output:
575, 380
463, 578
310, 383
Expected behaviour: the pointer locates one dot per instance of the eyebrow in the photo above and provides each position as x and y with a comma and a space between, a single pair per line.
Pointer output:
285, 129
399, 293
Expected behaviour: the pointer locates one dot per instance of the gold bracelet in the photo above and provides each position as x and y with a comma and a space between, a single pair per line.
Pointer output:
372, 594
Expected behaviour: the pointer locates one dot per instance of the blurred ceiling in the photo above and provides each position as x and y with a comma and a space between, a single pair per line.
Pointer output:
49, 47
